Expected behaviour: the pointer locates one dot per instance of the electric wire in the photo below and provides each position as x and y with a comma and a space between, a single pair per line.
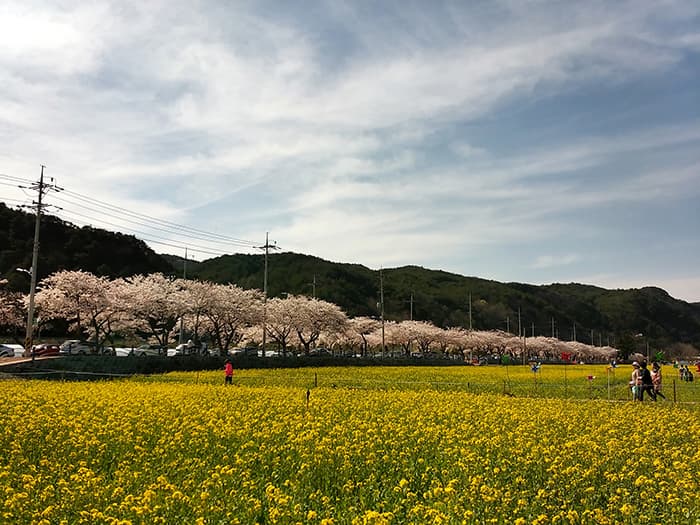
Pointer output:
15, 179
141, 234
162, 221
74, 216
147, 222
141, 223
11, 184
8, 199
81, 222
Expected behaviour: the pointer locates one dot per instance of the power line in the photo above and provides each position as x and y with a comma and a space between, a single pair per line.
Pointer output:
12, 185
137, 222
142, 235
183, 247
8, 199
104, 209
232, 240
15, 179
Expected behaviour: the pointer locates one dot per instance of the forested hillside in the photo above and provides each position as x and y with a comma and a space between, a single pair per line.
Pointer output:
629, 318
625, 318
64, 246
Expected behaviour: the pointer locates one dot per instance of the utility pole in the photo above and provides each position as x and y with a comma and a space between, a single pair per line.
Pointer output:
410, 302
533, 329
508, 324
381, 303
266, 247
520, 330
184, 276
28, 341
573, 332
648, 356
552, 327
470, 311
313, 287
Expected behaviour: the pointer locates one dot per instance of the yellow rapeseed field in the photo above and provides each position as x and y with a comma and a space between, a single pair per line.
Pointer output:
183, 448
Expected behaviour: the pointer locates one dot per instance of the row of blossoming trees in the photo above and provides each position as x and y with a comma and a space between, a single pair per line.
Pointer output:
154, 307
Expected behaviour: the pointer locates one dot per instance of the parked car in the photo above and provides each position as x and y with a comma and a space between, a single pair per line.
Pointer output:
248, 351
45, 349
190, 348
6, 351
182, 349
76, 347
320, 352
148, 350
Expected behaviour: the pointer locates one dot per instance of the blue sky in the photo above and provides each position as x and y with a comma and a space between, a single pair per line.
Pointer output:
526, 141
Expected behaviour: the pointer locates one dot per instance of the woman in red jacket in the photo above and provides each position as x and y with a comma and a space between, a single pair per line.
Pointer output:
228, 373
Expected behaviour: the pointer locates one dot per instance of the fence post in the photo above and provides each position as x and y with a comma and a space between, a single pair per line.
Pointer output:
674, 390
315, 378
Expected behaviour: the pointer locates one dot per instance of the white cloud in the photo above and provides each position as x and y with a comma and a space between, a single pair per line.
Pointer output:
45, 42
352, 127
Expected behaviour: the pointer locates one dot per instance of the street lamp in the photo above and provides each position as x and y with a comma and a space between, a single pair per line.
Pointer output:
646, 342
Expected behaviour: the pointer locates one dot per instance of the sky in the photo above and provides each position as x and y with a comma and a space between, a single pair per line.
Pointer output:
514, 140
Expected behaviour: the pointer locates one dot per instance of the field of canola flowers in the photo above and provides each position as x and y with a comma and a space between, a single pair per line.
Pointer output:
182, 448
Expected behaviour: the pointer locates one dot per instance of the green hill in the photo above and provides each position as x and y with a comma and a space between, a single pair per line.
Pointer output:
613, 316
64, 246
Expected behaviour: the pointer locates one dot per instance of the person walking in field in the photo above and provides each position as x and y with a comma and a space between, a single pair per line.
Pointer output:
636, 381
656, 379
228, 372
647, 384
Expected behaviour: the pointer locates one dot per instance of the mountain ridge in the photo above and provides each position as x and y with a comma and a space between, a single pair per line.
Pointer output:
586, 312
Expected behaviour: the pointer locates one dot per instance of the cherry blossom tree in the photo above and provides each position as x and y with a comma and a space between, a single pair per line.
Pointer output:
424, 333
374, 339
252, 335
13, 314
454, 341
154, 305
359, 329
543, 347
398, 335
229, 311
86, 301
280, 322
311, 317
198, 299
